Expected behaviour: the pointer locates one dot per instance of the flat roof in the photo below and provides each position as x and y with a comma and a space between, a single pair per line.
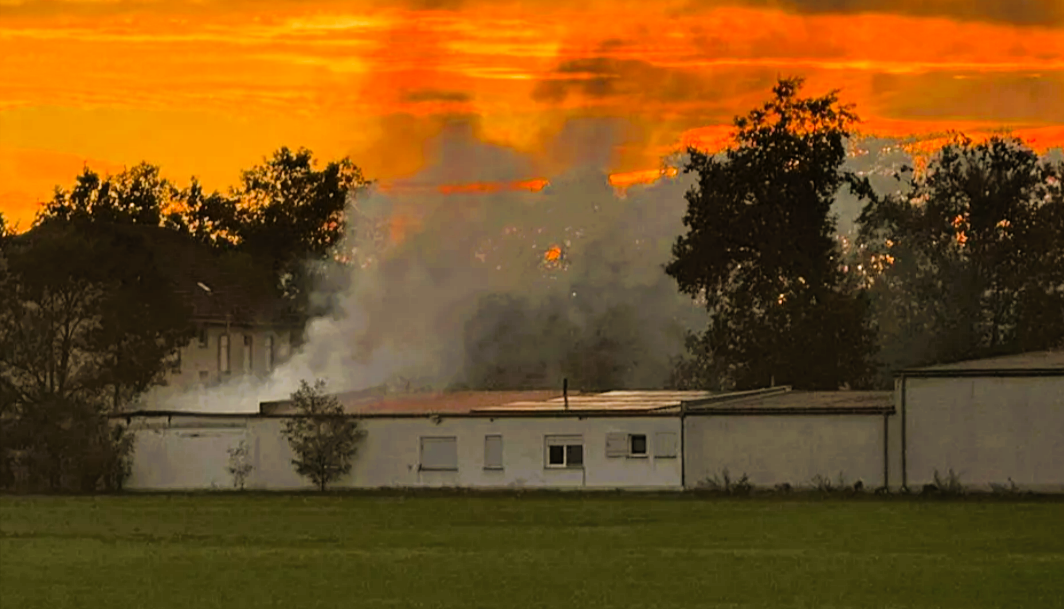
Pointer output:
1021, 364
453, 402
610, 401
800, 402
773, 400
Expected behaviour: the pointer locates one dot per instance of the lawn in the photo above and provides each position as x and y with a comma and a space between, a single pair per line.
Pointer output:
228, 550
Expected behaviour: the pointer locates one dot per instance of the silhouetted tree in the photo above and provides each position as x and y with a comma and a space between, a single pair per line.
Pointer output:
88, 321
322, 438
138, 195
969, 261
290, 213
761, 250
208, 218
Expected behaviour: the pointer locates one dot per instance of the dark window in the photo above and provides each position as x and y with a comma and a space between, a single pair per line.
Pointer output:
203, 337
565, 451
638, 444
574, 455
556, 455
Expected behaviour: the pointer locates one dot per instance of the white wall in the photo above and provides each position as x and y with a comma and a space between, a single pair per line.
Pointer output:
389, 454
188, 453
790, 449
987, 430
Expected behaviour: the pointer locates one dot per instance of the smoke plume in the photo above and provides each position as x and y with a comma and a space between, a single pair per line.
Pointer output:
437, 282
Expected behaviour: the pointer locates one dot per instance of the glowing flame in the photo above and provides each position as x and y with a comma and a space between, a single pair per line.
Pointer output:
535, 185
553, 254
624, 180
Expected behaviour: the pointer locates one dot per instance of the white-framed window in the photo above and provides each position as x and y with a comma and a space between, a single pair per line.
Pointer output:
248, 353
439, 453
223, 354
621, 444
665, 445
269, 353
564, 451
493, 452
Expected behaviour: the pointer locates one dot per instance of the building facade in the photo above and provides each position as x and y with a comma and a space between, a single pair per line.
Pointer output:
992, 422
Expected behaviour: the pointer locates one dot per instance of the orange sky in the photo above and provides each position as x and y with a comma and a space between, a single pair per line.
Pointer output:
207, 87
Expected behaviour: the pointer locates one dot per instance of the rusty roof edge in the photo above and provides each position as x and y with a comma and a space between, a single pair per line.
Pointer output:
735, 395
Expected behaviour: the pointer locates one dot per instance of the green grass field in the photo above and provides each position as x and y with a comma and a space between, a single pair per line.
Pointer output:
160, 551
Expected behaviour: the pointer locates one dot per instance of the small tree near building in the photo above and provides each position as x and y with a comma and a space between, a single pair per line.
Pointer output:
322, 438
239, 464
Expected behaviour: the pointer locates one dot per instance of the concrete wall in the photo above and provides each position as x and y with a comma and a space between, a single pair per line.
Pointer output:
987, 430
186, 453
170, 457
792, 449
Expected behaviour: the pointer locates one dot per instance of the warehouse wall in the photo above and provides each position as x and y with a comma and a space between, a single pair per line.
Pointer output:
792, 449
183, 454
987, 430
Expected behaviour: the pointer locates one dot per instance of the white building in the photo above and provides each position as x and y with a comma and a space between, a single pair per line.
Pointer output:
990, 421
779, 436
472, 439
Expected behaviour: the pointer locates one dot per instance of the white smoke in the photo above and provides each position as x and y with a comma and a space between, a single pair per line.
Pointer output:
400, 309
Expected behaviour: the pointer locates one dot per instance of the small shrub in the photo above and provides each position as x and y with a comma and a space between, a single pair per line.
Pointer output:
1003, 489
725, 485
239, 464
950, 485
783, 488
824, 484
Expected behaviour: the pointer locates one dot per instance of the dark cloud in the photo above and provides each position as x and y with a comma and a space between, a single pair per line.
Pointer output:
603, 78
1008, 98
434, 95
1016, 12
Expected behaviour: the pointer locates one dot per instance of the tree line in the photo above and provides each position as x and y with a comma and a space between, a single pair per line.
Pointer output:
91, 309
964, 259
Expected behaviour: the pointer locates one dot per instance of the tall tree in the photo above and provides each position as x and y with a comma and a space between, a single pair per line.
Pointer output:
87, 322
291, 213
323, 439
90, 315
760, 249
971, 256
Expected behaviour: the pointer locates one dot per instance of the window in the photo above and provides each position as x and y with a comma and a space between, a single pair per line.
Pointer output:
247, 354
177, 362
203, 338
665, 445
269, 353
637, 445
565, 451
204, 376
492, 452
621, 444
223, 354
439, 454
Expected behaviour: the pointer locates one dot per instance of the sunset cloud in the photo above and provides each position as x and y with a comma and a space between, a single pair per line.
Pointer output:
208, 87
